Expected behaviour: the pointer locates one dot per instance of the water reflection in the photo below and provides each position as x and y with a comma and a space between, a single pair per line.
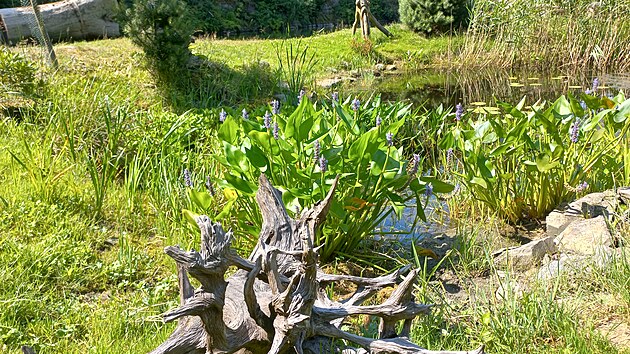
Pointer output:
395, 228
432, 88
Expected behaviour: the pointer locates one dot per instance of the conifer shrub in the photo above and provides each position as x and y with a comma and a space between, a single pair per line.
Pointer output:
434, 16
163, 29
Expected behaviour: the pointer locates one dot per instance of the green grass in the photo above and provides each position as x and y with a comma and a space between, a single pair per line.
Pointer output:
77, 277
334, 51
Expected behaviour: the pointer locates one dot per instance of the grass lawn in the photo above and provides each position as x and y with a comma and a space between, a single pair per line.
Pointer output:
76, 277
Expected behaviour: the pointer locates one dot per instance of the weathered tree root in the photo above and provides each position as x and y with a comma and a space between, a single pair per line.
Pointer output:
276, 302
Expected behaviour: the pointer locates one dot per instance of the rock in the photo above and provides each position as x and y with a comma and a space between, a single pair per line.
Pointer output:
624, 195
379, 67
594, 204
589, 206
557, 221
391, 67
585, 237
508, 289
330, 83
526, 256
565, 264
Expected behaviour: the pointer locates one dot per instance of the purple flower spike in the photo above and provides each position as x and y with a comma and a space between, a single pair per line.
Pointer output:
356, 104
459, 112
300, 95
595, 85
275, 107
187, 179
335, 97
582, 187
428, 191
323, 164
378, 121
276, 131
575, 131
245, 114
390, 138
222, 115
267, 120
316, 150
415, 163
449, 156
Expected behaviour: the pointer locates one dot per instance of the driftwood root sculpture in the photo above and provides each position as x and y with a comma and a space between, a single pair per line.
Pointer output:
276, 303
363, 16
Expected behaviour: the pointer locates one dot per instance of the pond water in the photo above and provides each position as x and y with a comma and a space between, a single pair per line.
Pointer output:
438, 221
432, 88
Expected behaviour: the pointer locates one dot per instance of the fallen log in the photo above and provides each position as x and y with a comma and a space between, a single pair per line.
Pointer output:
276, 303
63, 20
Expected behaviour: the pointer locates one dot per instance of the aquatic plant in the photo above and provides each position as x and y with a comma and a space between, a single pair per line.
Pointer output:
518, 161
303, 154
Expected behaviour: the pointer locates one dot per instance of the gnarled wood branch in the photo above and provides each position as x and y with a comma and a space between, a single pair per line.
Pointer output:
276, 302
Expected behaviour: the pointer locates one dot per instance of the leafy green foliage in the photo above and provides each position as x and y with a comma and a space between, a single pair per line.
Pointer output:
522, 164
434, 16
303, 151
18, 75
276, 16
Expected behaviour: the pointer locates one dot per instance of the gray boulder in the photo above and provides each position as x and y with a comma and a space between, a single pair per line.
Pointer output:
525, 257
590, 206
565, 264
585, 237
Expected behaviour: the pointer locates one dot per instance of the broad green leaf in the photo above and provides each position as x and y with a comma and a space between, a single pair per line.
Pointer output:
438, 186
266, 141
562, 106
257, 158
242, 185
201, 199
623, 112
348, 120
235, 157
227, 210
229, 130
191, 217
544, 163
479, 181
366, 144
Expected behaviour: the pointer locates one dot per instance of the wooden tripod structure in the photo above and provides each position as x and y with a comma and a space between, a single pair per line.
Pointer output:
363, 16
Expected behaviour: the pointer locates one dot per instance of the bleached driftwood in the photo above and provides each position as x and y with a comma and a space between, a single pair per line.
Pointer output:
64, 20
276, 303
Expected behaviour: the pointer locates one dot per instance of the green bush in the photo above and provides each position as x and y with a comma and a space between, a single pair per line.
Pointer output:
434, 16
18, 75
163, 29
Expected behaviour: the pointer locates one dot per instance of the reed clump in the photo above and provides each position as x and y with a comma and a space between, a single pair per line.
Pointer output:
570, 35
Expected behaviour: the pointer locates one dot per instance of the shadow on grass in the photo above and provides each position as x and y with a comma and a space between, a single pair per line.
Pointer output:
206, 84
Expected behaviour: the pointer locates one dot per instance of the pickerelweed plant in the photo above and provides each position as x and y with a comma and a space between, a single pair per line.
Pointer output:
303, 151
523, 162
